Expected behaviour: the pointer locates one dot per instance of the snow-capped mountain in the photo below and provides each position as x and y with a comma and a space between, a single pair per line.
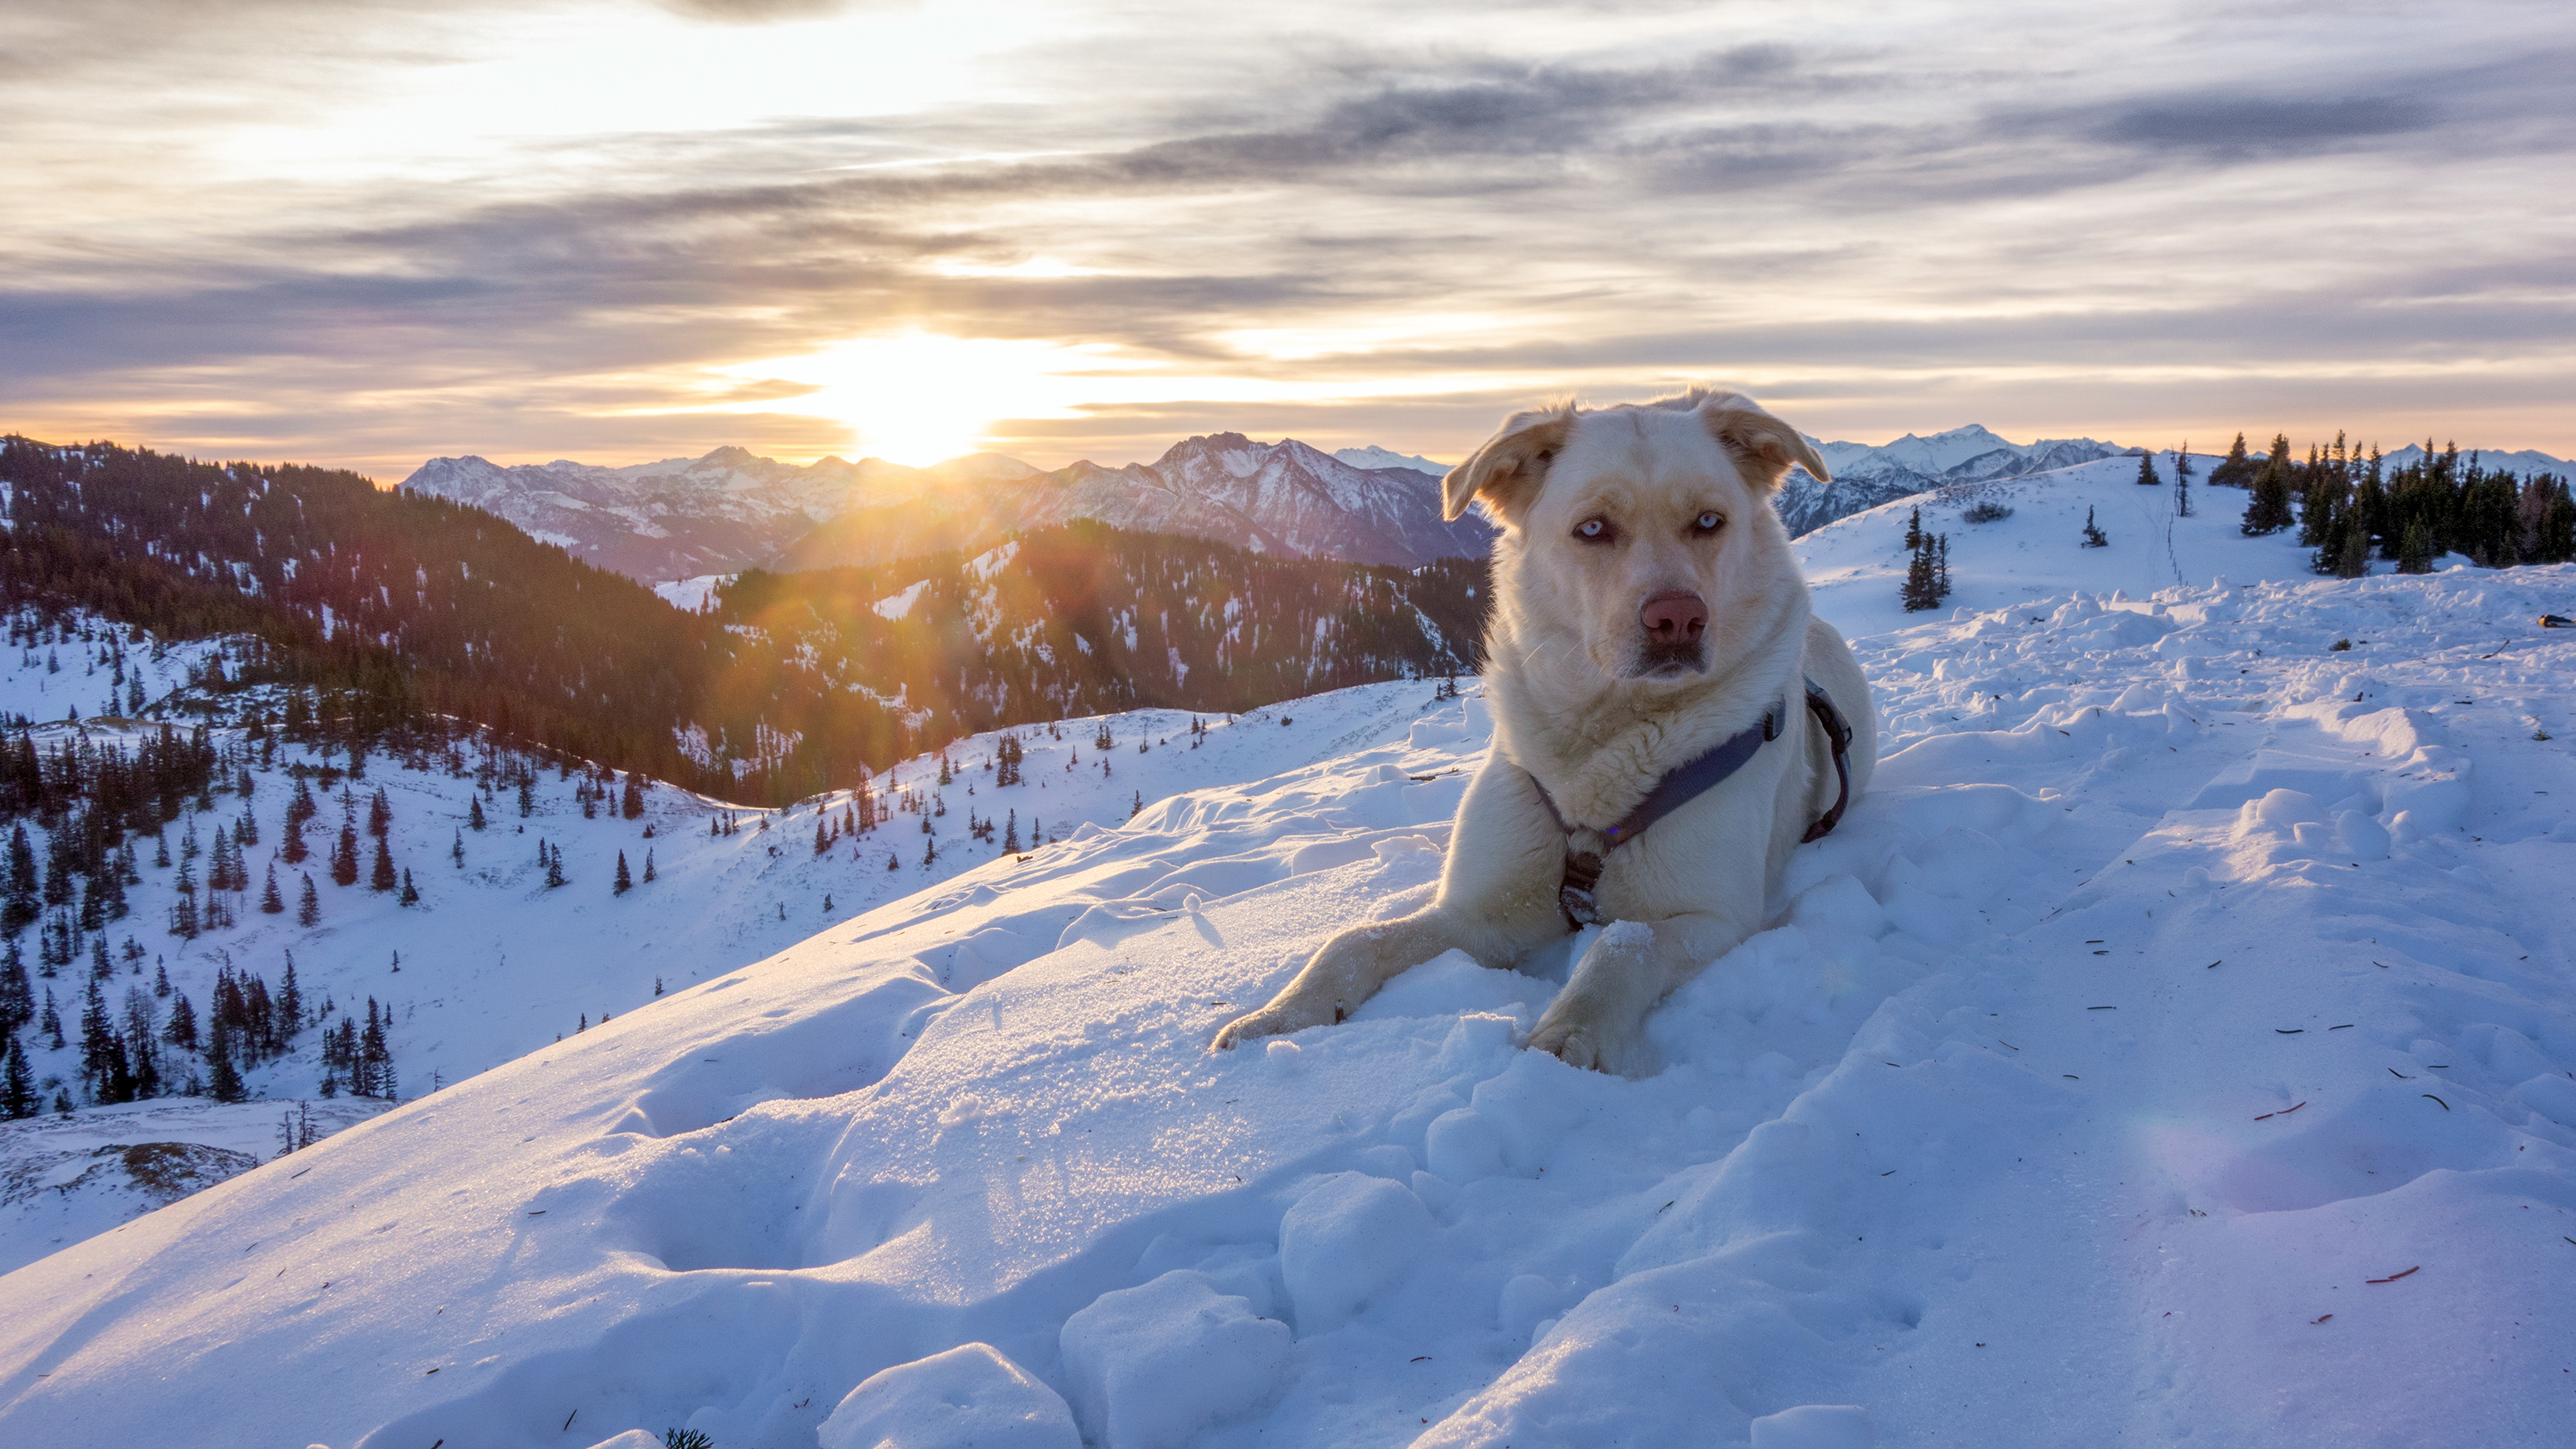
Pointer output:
962, 1168
1282, 498
2526, 461
1868, 474
730, 510
686, 516
1373, 457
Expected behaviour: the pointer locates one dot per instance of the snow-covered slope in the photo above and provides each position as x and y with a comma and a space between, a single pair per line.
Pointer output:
1856, 565
2286, 1155
1868, 474
493, 963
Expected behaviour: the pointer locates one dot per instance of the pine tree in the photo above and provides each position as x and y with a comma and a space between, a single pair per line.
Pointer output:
1914, 530
182, 1028
2094, 537
344, 857
290, 999
527, 795
474, 812
456, 850
2354, 560
1921, 590
1136, 806
381, 877
822, 842
18, 1098
2147, 471
631, 803
223, 1078
2182, 480
554, 867
649, 873
380, 813
1011, 838
270, 902
624, 882
308, 907
22, 906
2415, 553
50, 1021
410, 893
2236, 470
17, 993
2267, 510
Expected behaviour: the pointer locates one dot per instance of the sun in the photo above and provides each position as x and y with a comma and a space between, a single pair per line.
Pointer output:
919, 398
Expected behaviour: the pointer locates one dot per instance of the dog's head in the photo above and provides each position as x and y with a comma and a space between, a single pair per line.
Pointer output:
1647, 529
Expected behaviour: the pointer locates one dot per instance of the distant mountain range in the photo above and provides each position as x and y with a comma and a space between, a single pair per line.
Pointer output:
731, 510
1867, 475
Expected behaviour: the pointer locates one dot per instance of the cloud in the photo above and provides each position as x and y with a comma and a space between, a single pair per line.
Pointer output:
2245, 126
1465, 216
757, 12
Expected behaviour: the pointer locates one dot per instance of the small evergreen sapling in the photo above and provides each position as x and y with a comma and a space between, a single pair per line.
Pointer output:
2094, 537
2147, 471
624, 882
308, 906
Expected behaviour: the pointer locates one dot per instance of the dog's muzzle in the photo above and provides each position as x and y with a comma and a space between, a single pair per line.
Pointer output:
1674, 623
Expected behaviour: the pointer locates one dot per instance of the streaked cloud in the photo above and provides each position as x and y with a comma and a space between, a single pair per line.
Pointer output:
370, 233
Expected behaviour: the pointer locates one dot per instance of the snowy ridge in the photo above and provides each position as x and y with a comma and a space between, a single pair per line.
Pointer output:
1866, 474
2302, 1114
682, 518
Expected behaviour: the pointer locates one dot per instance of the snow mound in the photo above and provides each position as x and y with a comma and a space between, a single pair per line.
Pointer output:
967, 1398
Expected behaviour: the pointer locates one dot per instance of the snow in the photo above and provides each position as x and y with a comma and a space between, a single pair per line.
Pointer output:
2282, 1156
691, 595
895, 606
1374, 457
967, 1398
1856, 565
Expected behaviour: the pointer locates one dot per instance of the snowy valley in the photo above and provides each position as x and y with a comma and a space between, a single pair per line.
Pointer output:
2286, 1156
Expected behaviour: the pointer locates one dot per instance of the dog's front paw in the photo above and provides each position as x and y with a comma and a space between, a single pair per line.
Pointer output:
1279, 1018
1570, 1042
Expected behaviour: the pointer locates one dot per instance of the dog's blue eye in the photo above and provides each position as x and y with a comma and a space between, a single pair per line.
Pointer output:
1710, 522
1593, 530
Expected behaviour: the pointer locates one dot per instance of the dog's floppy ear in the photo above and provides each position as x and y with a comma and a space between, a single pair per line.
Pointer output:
1507, 470
1763, 446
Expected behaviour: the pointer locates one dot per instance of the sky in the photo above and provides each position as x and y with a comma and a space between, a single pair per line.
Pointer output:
368, 232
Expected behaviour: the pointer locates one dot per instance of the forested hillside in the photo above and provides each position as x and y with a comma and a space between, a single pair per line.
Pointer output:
390, 613
391, 607
1084, 618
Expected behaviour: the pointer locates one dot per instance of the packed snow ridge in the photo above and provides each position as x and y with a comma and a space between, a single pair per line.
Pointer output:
2178, 1042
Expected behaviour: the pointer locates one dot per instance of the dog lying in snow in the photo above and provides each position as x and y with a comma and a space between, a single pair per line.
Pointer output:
1670, 719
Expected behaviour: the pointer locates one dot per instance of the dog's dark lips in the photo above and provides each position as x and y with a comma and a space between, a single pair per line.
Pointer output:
1668, 662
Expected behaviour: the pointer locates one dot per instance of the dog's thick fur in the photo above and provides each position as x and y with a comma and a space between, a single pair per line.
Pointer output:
1591, 701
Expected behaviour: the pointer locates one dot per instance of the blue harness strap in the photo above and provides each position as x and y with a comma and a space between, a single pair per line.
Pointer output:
1687, 782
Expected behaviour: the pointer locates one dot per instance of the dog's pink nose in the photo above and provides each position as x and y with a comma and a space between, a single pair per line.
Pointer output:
1674, 618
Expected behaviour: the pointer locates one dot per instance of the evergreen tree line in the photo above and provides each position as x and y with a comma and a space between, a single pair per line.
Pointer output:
2350, 507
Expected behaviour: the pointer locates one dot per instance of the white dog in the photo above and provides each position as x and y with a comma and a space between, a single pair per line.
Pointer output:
1670, 719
